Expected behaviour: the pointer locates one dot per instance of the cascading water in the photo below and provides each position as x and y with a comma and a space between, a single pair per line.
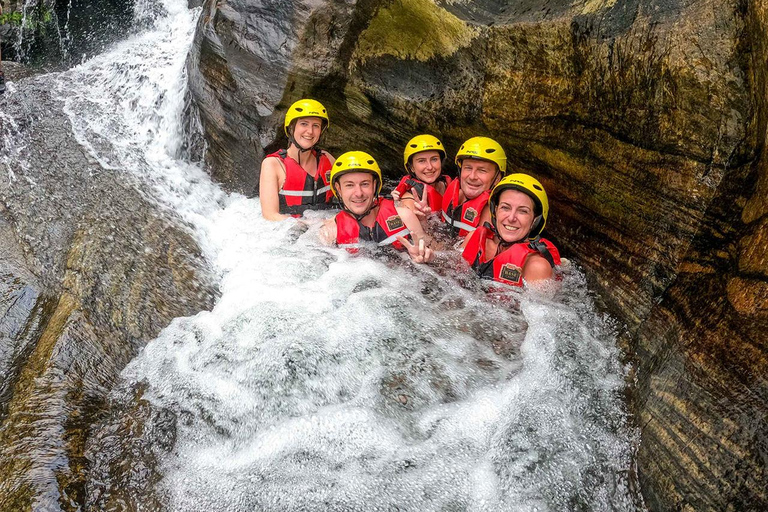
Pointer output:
323, 381
22, 44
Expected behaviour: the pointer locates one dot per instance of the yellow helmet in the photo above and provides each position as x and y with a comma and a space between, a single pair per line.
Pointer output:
422, 143
532, 188
483, 148
305, 108
355, 161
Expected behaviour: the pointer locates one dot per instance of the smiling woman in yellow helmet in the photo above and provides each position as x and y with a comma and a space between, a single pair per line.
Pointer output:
421, 189
298, 178
510, 249
482, 162
356, 181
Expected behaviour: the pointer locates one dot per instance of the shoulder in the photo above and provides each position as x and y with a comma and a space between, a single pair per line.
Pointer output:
469, 242
327, 155
536, 268
272, 161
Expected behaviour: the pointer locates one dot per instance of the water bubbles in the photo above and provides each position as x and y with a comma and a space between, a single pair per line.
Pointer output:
346, 387
324, 381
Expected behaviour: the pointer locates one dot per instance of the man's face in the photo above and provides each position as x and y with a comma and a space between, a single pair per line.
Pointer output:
357, 190
477, 176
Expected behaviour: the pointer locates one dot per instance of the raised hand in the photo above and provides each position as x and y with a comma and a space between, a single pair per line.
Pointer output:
419, 252
421, 204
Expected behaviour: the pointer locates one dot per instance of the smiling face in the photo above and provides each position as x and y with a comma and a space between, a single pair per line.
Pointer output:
477, 176
307, 131
427, 166
357, 190
514, 215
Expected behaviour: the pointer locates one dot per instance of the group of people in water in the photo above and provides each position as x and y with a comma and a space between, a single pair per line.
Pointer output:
497, 216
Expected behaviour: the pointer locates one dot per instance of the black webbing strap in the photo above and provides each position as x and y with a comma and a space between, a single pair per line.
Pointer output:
537, 245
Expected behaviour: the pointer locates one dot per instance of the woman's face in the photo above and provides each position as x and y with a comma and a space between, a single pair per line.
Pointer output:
307, 131
357, 190
514, 215
427, 166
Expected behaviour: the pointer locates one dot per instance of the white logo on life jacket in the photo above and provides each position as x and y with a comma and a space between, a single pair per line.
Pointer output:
510, 272
470, 214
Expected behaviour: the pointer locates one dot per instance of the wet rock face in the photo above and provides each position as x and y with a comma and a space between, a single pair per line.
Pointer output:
240, 68
645, 120
63, 32
89, 272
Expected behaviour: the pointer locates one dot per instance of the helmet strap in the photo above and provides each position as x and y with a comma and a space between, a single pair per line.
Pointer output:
360, 217
537, 225
292, 140
298, 146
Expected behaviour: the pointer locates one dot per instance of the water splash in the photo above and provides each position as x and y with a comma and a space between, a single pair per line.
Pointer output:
13, 147
322, 381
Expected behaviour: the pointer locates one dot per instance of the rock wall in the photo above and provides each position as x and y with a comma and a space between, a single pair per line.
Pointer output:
90, 271
645, 120
59, 33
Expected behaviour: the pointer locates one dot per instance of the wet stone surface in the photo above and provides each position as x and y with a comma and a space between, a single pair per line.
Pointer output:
91, 271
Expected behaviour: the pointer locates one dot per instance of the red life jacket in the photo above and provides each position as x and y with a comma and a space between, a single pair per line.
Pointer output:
434, 198
465, 216
386, 228
506, 267
301, 191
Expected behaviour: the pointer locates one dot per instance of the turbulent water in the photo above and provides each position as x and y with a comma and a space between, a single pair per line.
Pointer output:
324, 381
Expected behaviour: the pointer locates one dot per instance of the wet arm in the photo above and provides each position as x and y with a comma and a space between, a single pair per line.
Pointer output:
417, 234
536, 268
269, 186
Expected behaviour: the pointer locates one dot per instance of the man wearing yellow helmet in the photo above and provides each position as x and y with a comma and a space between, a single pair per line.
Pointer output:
510, 249
356, 181
421, 189
482, 162
298, 178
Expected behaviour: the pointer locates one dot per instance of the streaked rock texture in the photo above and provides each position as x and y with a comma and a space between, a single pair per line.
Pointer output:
646, 120
90, 270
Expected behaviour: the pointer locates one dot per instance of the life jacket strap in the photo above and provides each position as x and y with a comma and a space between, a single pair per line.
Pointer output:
537, 245
457, 223
391, 239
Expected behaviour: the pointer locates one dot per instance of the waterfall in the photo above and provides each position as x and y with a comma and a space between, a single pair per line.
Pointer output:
19, 44
324, 381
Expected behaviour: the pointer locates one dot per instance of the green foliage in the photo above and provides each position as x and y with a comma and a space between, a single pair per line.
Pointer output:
12, 18
36, 18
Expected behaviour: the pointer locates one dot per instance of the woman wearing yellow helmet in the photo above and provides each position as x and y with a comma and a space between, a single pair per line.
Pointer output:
356, 181
296, 179
421, 189
510, 249
482, 162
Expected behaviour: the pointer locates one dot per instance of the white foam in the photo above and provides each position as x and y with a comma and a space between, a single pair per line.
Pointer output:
324, 381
